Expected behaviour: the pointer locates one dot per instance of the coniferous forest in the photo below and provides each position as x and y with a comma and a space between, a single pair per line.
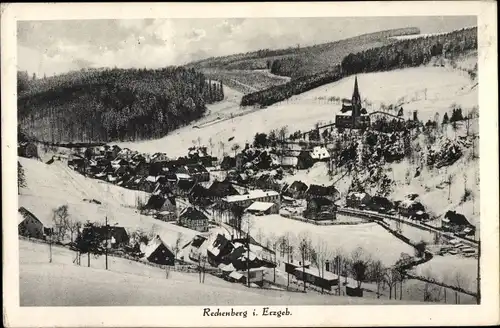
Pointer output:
113, 104
404, 53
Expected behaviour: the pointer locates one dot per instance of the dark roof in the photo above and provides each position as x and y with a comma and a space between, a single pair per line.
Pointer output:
195, 168
199, 191
192, 213
198, 241
298, 185
321, 190
321, 201
156, 202
185, 185
456, 218
222, 189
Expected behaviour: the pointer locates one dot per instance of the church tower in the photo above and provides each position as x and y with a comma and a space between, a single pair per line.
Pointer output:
356, 99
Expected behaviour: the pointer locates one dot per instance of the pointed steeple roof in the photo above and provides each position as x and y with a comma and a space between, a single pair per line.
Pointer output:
356, 98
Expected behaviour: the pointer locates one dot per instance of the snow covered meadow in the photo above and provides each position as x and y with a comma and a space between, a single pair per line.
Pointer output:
426, 89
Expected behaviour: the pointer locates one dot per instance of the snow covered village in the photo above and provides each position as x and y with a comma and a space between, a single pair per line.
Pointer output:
339, 171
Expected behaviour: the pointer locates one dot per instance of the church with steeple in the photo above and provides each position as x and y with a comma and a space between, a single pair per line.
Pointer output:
352, 114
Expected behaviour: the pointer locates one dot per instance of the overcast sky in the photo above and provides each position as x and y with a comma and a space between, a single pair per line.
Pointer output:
54, 47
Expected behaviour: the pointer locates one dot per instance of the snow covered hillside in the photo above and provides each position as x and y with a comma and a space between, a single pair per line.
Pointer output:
50, 186
426, 89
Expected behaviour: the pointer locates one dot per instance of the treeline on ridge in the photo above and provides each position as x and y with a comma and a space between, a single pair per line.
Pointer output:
403, 53
113, 104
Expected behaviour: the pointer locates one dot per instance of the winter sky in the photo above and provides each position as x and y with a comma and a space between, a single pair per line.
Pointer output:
54, 47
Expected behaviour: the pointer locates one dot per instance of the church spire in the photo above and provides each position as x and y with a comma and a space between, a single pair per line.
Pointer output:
356, 98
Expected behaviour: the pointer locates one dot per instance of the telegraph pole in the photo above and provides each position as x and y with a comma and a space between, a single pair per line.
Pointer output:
478, 296
106, 246
248, 253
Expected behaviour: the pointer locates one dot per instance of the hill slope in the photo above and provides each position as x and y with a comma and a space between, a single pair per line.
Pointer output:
244, 72
111, 104
444, 87
50, 186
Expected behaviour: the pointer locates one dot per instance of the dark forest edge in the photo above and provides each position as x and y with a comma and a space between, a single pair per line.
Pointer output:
401, 54
102, 105
258, 59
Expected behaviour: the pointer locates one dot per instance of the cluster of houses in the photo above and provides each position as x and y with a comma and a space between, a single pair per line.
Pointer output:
237, 260
134, 170
320, 199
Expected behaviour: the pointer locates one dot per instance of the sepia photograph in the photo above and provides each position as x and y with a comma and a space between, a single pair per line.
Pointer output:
240, 164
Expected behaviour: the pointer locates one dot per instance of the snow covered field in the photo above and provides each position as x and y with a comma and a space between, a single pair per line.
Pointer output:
451, 269
443, 86
375, 241
128, 283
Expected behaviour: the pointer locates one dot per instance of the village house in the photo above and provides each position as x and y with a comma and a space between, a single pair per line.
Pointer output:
253, 196
320, 153
194, 219
289, 161
358, 199
221, 189
329, 192
320, 208
30, 226
115, 235
228, 163
164, 207
196, 171
411, 208
27, 149
262, 208
380, 204
325, 280
217, 249
457, 223
157, 251
198, 247
296, 190
304, 160
199, 195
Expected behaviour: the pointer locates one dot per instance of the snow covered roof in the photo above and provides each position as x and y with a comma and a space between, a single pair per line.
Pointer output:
236, 275
260, 206
152, 178
183, 176
314, 272
228, 268
152, 246
253, 194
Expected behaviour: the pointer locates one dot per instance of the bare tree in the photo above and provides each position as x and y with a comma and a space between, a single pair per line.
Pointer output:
211, 145
449, 181
304, 251
273, 243
60, 217
359, 265
177, 245
391, 277
222, 146
377, 274
321, 255
73, 226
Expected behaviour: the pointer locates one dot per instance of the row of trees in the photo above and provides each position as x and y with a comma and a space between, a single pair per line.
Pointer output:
115, 104
297, 86
358, 264
410, 52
